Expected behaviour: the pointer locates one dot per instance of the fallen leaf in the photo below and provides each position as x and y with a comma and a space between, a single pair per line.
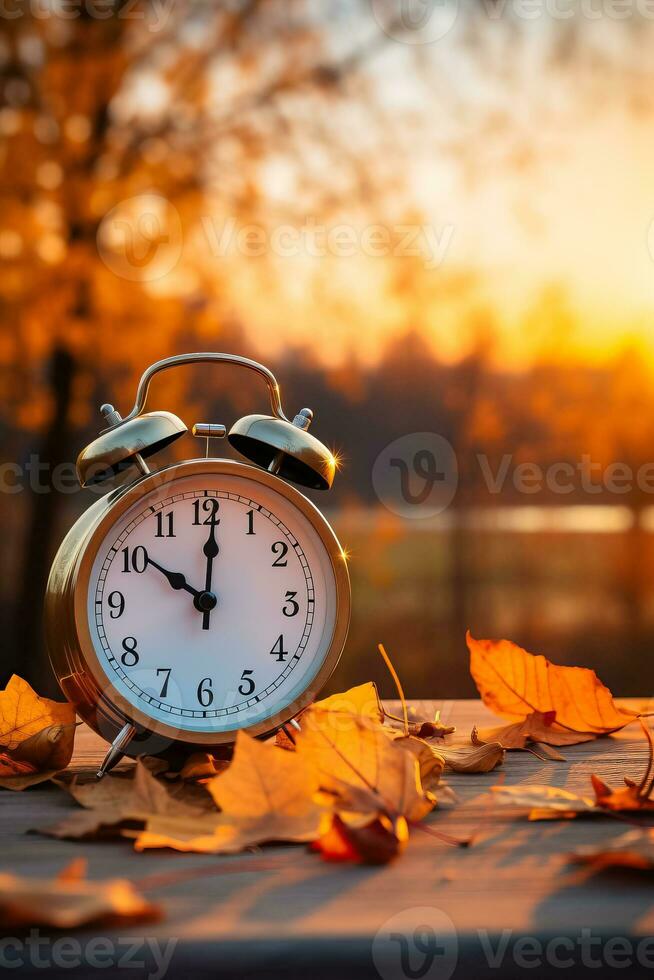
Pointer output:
544, 801
38, 758
361, 840
202, 766
633, 796
70, 901
473, 758
515, 683
430, 759
115, 804
267, 794
635, 849
539, 727
23, 713
362, 700
354, 755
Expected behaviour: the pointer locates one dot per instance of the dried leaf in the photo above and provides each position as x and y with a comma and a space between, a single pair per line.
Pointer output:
634, 796
544, 801
114, 804
38, 758
473, 758
69, 901
539, 726
202, 766
362, 700
351, 753
635, 849
514, 683
361, 840
23, 713
267, 794
430, 760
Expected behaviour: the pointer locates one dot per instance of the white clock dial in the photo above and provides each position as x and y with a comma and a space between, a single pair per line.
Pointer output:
211, 603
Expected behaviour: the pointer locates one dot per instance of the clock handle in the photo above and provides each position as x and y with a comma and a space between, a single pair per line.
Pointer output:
205, 358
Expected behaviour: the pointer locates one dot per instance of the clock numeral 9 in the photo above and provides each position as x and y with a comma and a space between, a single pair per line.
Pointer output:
205, 694
116, 603
280, 548
137, 560
247, 687
210, 506
292, 607
278, 649
129, 657
169, 524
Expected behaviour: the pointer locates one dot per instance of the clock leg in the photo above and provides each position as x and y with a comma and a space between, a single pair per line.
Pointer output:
117, 749
290, 729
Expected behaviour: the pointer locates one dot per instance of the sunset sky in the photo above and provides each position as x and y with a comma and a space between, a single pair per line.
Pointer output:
532, 174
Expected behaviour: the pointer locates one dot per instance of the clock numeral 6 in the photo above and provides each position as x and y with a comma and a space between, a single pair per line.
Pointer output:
167, 671
137, 559
280, 548
278, 649
129, 657
205, 694
116, 603
248, 686
292, 607
210, 506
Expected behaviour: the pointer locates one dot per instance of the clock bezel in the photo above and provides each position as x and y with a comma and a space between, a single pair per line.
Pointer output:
329, 651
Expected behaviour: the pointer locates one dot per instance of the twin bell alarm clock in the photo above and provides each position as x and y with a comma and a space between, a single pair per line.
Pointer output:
203, 597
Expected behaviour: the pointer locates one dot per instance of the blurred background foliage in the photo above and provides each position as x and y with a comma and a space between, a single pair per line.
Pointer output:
522, 145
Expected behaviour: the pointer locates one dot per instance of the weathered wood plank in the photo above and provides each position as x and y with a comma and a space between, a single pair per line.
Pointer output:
285, 908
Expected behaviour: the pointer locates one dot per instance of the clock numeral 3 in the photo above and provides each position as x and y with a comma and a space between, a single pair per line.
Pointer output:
167, 521
292, 607
280, 548
278, 649
136, 560
129, 657
205, 694
247, 687
167, 671
210, 506
116, 603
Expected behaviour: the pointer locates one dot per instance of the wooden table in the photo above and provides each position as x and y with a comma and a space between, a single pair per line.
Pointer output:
490, 910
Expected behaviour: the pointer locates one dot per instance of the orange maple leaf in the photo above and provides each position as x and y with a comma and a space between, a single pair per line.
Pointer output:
23, 713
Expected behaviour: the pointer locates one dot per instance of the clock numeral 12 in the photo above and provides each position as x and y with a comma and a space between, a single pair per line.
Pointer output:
210, 506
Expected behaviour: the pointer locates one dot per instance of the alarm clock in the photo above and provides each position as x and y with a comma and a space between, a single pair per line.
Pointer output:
203, 597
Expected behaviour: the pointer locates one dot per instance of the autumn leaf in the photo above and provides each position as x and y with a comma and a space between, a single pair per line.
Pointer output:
515, 683
544, 802
69, 901
114, 804
346, 837
354, 757
473, 758
23, 713
38, 758
362, 700
633, 796
635, 850
267, 794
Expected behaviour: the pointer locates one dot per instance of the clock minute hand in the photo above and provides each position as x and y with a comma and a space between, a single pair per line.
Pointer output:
210, 551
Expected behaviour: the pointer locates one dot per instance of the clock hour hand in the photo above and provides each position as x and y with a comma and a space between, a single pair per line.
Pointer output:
210, 551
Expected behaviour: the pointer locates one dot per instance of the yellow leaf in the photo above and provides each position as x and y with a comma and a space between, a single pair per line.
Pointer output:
24, 713
354, 753
514, 683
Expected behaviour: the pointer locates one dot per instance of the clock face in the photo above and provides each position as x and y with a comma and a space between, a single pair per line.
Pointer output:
212, 603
